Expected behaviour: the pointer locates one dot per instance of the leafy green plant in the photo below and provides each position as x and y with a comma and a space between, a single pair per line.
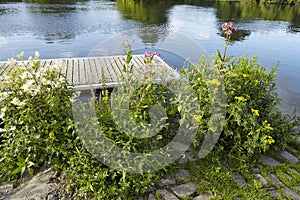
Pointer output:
253, 122
88, 177
36, 105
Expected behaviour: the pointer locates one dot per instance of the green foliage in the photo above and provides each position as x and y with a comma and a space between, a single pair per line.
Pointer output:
89, 178
253, 122
36, 110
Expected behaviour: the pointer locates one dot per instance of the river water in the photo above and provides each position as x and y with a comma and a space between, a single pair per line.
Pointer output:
178, 29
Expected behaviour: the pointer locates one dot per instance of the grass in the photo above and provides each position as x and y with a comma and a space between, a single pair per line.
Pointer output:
214, 175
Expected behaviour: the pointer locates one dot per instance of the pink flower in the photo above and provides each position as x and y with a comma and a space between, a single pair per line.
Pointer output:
149, 56
228, 28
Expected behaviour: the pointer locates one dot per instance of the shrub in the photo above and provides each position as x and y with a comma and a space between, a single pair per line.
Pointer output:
253, 122
36, 108
101, 180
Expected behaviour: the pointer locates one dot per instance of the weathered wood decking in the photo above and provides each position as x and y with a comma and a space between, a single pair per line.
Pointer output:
95, 71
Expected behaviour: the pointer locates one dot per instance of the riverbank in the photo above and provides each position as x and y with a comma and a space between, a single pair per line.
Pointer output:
287, 2
275, 176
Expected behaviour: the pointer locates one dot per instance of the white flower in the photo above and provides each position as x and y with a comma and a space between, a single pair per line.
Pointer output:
2, 113
17, 102
37, 74
24, 75
3, 95
35, 92
36, 54
57, 66
12, 61
21, 56
27, 87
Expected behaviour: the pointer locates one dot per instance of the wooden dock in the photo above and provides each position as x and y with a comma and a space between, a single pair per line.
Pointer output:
96, 71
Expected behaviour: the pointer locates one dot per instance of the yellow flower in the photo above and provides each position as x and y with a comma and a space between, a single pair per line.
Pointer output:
245, 75
269, 127
214, 82
51, 135
230, 73
198, 118
270, 140
241, 98
255, 112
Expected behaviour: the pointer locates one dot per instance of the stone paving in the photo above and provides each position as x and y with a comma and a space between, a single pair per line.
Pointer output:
175, 187
171, 186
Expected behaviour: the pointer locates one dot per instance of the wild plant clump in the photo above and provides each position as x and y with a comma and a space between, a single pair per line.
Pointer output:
253, 122
36, 108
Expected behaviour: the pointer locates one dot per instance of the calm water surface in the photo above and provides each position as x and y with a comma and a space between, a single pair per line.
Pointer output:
59, 29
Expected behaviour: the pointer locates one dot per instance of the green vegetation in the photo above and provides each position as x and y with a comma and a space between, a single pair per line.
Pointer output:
290, 2
36, 108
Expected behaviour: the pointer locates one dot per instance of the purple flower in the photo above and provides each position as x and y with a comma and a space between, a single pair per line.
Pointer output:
149, 56
228, 28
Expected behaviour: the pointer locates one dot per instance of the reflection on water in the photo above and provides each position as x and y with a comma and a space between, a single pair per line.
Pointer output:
64, 28
147, 12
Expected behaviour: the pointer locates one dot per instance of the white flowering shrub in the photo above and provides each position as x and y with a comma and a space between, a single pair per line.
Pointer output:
36, 110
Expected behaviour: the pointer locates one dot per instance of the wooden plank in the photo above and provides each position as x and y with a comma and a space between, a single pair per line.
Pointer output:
120, 64
139, 60
64, 67
108, 62
48, 63
89, 76
100, 69
115, 68
139, 67
106, 73
76, 72
70, 66
94, 72
42, 63
3, 68
82, 73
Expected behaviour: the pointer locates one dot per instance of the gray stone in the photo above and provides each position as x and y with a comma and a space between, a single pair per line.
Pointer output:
261, 179
287, 175
256, 170
288, 157
275, 180
239, 179
38, 187
269, 161
180, 146
6, 189
297, 187
185, 190
166, 181
190, 158
291, 193
274, 193
182, 175
295, 171
203, 197
166, 195
51, 197
181, 160
151, 197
